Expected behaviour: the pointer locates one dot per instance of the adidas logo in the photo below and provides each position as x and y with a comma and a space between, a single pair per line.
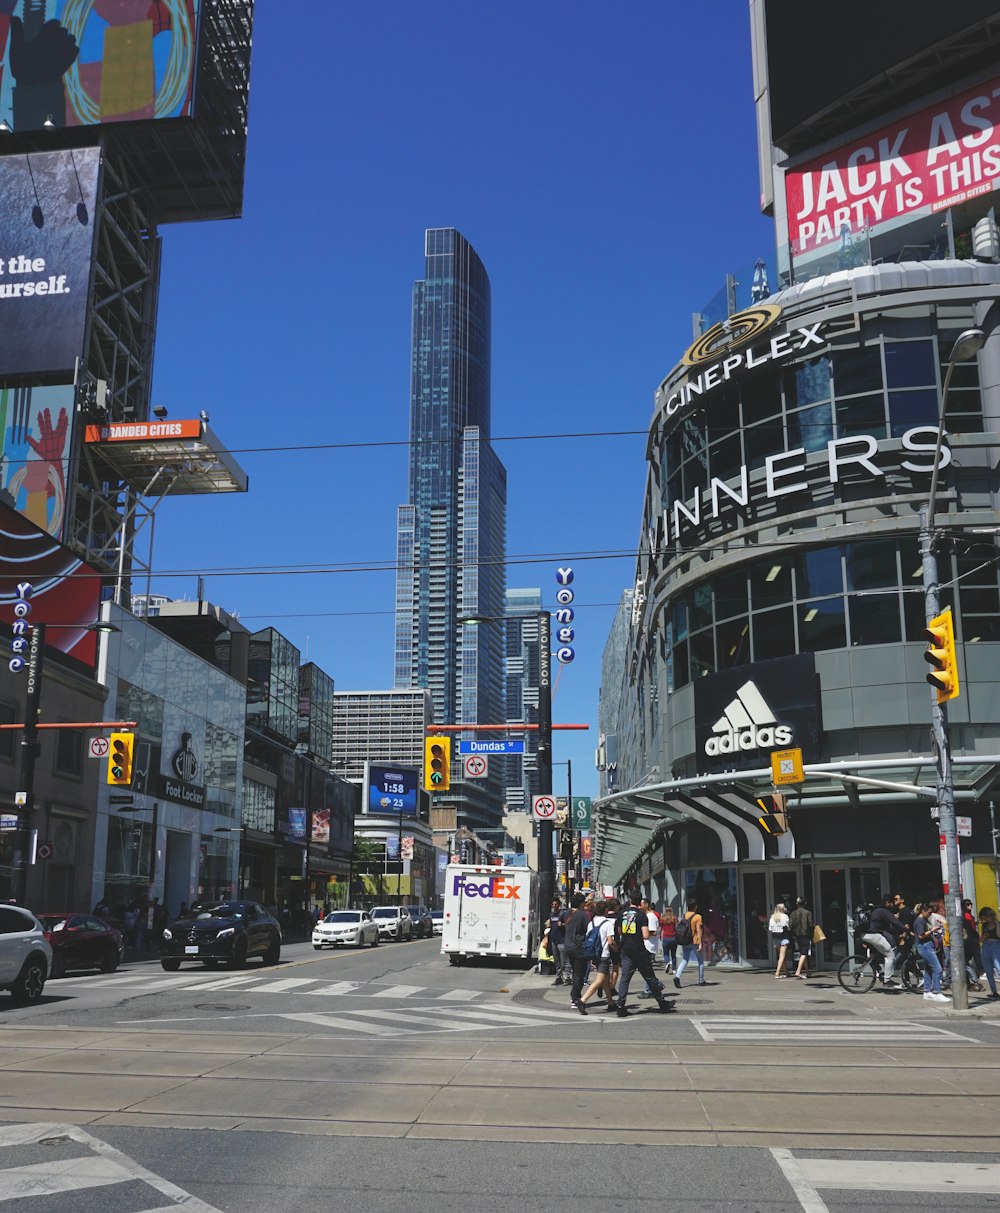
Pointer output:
748, 724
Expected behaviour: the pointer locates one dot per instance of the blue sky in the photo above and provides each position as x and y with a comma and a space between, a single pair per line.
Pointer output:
602, 161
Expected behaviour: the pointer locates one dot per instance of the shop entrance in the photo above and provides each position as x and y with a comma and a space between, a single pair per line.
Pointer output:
763, 888
841, 888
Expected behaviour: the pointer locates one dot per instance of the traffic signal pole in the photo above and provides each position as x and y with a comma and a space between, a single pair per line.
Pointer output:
29, 750
544, 765
944, 777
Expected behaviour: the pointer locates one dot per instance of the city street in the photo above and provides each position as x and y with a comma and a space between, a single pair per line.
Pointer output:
341, 1077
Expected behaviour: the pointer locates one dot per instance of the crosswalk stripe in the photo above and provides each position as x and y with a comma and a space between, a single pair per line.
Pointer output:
459, 995
279, 987
339, 1021
519, 1021
398, 991
825, 1031
221, 983
62, 1175
338, 987
435, 1021
512, 1008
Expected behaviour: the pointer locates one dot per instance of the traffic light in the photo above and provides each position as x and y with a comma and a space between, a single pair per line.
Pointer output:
120, 760
775, 818
941, 656
437, 764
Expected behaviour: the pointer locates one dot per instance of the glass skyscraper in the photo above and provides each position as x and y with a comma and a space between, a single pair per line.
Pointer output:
452, 534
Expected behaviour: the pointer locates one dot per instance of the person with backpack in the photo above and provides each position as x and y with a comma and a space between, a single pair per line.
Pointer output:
631, 934
885, 934
688, 936
574, 933
597, 947
652, 943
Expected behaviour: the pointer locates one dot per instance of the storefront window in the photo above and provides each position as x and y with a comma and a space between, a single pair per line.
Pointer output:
714, 889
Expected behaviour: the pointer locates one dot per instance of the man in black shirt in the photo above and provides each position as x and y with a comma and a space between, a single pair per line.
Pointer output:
884, 934
557, 921
575, 932
632, 932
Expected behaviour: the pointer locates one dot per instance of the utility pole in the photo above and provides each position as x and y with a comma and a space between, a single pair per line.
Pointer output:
29, 751
544, 763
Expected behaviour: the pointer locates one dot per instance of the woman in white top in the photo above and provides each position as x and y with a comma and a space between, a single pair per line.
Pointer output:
605, 913
780, 932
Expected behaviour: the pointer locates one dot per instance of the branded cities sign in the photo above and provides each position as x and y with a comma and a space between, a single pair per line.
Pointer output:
743, 714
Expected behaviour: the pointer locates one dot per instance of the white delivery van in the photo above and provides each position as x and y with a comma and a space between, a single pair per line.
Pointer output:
489, 911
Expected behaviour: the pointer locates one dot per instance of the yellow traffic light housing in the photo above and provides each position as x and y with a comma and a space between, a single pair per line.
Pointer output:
437, 764
120, 760
775, 818
941, 656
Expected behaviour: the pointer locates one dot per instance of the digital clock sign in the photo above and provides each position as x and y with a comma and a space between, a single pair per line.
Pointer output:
392, 789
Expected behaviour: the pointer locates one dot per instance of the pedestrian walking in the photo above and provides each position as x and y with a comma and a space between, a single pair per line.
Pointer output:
605, 913
923, 930
800, 923
973, 957
668, 933
653, 942
989, 944
575, 932
689, 938
557, 921
632, 932
778, 929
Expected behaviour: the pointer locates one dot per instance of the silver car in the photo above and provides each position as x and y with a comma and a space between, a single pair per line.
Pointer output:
341, 927
25, 954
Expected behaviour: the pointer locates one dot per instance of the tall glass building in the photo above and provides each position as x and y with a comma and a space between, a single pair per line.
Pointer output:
451, 535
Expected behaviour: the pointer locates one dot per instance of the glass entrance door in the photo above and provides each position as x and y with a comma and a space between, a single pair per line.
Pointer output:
841, 888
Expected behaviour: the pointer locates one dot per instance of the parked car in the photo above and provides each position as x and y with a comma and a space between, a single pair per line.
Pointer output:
215, 931
81, 941
25, 954
345, 926
393, 922
437, 918
423, 924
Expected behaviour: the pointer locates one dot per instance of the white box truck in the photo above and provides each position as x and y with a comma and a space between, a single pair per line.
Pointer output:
489, 911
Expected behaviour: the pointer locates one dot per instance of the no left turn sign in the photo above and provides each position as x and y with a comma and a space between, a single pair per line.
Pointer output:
543, 808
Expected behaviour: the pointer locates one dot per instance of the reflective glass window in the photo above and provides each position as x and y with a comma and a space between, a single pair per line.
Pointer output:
910, 364
679, 619
761, 396
730, 594
857, 370
874, 619
771, 580
700, 607
861, 415
773, 634
818, 572
726, 457
680, 664
822, 625
762, 440
733, 642
702, 650
909, 409
811, 428
810, 382
871, 565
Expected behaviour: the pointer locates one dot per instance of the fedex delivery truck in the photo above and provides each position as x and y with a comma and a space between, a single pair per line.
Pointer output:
488, 911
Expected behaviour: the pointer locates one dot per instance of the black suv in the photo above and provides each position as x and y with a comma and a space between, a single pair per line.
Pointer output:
423, 924
215, 931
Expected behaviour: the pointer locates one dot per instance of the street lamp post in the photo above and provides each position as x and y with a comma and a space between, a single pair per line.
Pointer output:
967, 345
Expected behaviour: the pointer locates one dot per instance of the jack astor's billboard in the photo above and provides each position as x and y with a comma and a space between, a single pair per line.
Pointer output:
47, 203
943, 155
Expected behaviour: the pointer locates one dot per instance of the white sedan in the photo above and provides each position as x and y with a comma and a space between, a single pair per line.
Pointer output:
343, 927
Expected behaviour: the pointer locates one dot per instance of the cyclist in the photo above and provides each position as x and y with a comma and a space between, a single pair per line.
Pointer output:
885, 934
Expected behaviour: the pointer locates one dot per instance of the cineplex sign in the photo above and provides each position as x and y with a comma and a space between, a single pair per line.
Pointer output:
734, 347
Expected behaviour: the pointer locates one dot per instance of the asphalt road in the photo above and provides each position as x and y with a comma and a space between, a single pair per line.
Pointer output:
386, 1079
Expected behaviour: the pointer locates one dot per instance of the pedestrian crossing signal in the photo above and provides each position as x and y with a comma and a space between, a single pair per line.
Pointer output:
120, 760
437, 764
940, 654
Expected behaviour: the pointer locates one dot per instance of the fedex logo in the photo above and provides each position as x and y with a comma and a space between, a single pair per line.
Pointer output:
493, 886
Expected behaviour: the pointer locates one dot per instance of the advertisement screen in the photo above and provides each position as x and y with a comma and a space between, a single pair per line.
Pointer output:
856, 43
47, 203
392, 789
936, 158
85, 62
35, 441
63, 590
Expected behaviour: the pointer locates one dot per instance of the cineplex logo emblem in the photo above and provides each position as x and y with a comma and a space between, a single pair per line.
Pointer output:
748, 724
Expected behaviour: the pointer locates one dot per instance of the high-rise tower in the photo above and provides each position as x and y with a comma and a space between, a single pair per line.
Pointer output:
451, 536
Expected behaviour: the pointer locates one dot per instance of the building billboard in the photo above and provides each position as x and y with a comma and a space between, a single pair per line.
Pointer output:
34, 451
47, 203
86, 62
391, 789
941, 156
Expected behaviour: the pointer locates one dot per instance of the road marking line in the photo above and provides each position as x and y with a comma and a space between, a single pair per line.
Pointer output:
806, 1194
526, 1012
338, 1021
279, 987
437, 1021
60, 1175
825, 1031
901, 1176
517, 1022
338, 987
221, 983
459, 995
398, 991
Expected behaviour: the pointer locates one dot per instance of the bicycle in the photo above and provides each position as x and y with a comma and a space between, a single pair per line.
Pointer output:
857, 974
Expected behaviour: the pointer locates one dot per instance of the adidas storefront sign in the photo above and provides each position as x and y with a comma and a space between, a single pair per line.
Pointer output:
744, 714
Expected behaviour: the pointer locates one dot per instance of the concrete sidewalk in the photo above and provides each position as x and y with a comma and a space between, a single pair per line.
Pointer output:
729, 990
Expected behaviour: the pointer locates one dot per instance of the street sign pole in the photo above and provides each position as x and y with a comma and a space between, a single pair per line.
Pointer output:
29, 749
546, 871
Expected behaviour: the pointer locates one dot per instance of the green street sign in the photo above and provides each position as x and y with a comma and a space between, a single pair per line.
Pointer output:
581, 812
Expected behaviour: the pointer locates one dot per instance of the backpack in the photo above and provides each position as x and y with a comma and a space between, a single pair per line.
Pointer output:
862, 920
592, 946
685, 932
